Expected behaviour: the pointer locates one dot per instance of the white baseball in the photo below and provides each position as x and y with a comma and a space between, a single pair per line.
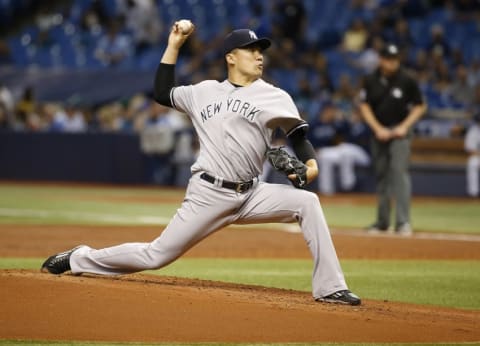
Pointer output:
185, 26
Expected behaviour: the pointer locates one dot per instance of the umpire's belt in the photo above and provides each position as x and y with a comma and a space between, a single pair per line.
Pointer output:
238, 187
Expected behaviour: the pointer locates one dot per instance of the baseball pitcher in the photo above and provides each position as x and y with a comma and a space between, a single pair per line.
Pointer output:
234, 120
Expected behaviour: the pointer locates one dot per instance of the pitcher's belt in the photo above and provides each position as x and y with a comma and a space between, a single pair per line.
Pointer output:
238, 187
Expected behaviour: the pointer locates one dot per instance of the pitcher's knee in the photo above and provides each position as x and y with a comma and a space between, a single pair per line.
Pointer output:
157, 258
309, 199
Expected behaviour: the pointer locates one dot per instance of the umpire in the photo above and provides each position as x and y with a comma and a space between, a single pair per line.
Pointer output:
391, 102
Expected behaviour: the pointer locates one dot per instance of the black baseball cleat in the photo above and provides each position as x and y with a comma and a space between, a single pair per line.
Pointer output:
341, 297
59, 263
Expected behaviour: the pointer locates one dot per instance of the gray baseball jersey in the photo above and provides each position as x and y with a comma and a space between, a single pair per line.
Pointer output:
234, 125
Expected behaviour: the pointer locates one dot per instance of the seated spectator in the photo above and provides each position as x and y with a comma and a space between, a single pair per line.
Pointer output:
46, 113
134, 115
7, 103
143, 20
419, 62
114, 47
289, 19
475, 106
438, 43
70, 119
457, 57
401, 35
94, 18
461, 91
442, 87
5, 53
472, 146
473, 74
355, 37
107, 117
25, 106
345, 93
320, 68
45, 20
368, 60
4, 125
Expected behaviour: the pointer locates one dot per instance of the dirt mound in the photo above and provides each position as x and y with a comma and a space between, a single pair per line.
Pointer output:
152, 309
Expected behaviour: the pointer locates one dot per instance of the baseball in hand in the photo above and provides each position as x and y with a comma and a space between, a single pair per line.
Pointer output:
185, 26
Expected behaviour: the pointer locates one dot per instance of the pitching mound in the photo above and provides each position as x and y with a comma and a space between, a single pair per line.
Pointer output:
153, 309
164, 309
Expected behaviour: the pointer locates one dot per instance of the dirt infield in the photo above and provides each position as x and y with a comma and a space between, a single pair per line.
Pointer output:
150, 308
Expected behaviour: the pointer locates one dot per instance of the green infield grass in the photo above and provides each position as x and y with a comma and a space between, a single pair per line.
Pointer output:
442, 283
144, 206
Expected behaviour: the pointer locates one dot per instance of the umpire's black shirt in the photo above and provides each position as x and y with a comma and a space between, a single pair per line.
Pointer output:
390, 97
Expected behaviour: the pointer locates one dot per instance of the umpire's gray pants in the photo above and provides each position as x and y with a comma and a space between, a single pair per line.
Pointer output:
391, 163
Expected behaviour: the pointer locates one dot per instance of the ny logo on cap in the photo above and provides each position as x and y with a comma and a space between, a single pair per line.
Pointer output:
253, 36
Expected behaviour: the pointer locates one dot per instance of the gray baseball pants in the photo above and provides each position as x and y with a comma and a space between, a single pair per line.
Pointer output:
208, 208
391, 163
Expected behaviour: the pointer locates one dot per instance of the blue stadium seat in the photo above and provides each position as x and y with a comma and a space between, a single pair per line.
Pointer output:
327, 21
420, 32
18, 51
149, 59
285, 79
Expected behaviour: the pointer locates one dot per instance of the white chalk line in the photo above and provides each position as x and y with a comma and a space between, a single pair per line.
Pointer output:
160, 220
415, 235
85, 216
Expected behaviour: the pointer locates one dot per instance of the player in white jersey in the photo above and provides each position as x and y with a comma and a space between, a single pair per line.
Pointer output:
234, 120
472, 147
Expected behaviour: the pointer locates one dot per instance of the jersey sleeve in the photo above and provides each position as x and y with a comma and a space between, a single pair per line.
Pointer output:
181, 98
415, 95
283, 113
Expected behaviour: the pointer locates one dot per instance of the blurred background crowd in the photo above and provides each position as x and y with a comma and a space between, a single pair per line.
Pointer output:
321, 51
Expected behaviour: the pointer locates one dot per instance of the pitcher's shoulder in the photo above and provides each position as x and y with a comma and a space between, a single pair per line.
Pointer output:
208, 83
269, 87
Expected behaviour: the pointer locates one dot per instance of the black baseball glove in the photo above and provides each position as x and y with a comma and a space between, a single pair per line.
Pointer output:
288, 164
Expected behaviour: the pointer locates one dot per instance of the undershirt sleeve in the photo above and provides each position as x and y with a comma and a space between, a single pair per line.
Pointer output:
164, 82
300, 144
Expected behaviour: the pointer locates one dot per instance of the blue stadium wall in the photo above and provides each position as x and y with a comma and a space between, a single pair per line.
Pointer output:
117, 158
106, 158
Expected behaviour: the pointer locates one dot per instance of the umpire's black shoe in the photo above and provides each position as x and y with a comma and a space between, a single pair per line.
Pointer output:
341, 297
59, 263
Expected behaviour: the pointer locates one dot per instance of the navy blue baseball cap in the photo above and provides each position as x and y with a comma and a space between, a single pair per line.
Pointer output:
390, 51
242, 38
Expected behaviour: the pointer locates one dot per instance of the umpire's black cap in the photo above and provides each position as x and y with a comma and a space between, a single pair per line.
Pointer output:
390, 51
242, 38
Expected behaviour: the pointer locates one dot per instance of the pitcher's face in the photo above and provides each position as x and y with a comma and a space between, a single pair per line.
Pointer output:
247, 61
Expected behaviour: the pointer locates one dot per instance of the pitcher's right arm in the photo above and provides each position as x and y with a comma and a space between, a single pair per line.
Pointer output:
165, 75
